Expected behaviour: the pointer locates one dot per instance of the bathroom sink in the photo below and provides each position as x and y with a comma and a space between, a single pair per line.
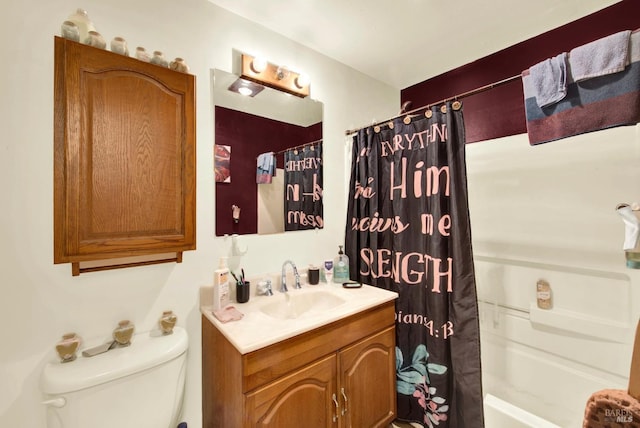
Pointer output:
291, 305
271, 319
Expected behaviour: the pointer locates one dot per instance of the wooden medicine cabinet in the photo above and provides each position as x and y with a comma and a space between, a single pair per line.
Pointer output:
124, 160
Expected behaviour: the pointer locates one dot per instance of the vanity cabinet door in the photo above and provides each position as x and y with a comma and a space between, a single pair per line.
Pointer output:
367, 386
304, 398
124, 158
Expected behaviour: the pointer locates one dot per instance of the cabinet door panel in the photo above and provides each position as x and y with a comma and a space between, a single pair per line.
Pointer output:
301, 399
368, 381
145, 197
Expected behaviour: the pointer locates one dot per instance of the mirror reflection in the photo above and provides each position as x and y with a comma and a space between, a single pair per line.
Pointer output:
268, 159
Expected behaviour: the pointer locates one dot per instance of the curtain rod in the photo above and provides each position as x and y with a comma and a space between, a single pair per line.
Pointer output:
457, 97
301, 145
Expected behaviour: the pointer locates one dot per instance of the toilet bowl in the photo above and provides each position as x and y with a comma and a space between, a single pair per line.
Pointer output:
139, 386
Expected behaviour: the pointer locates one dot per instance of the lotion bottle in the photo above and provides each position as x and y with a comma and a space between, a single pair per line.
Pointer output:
221, 296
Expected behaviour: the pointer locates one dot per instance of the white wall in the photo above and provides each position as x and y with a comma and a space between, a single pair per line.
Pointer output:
39, 301
548, 212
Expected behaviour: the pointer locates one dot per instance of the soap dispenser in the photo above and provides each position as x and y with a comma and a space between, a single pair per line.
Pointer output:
341, 267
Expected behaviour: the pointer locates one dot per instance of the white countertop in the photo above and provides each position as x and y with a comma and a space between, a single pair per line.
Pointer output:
257, 329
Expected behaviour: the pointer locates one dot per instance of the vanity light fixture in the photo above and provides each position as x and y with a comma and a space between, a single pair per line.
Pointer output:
275, 76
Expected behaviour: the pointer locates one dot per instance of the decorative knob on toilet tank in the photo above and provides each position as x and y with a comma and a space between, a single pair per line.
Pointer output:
167, 321
67, 347
123, 333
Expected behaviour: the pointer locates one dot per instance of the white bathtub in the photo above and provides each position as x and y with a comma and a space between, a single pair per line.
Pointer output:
500, 414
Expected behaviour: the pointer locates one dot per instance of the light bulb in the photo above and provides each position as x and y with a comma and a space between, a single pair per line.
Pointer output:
258, 64
243, 90
302, 80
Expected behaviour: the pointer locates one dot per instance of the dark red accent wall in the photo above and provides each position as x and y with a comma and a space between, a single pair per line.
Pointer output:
499, 112
248, 136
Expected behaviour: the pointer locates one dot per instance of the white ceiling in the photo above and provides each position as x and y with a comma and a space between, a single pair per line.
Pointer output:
403, 42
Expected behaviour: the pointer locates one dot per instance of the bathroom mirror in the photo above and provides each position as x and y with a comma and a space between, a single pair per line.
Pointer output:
245, 127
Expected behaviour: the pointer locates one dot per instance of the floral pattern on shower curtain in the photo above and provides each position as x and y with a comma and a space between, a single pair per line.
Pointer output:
408, 231
303, 188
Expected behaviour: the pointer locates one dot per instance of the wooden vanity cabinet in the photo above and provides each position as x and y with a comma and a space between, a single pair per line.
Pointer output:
339, 375
124, 159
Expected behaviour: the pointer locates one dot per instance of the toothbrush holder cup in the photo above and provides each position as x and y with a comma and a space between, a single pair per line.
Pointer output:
243, 290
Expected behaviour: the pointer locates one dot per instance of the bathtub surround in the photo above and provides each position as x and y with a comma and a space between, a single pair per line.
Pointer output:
408, 231
547, 362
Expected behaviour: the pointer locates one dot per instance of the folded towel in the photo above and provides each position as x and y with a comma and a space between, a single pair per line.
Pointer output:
590, 105
265, 160
601, 57
230, 313
611, 408
549, 80
631, 227
265, 168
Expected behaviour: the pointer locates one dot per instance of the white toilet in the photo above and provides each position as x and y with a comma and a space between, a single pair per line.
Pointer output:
139, 386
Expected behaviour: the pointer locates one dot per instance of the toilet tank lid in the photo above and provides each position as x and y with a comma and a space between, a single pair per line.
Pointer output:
147, 350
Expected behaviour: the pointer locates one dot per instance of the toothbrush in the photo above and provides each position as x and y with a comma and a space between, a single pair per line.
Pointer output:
236, 278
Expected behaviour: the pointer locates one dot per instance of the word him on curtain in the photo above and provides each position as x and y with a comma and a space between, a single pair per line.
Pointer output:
408, 230
303, 188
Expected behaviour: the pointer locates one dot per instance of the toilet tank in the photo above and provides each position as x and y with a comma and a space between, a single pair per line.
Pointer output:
138, 386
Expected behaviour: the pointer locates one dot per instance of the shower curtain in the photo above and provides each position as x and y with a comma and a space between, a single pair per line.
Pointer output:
408, 231
303, 188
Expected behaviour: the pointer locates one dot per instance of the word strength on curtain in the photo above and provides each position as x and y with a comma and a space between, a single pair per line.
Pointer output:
303, 188
407, 180
408, 230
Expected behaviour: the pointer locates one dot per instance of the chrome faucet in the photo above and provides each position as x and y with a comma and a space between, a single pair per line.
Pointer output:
283, 287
